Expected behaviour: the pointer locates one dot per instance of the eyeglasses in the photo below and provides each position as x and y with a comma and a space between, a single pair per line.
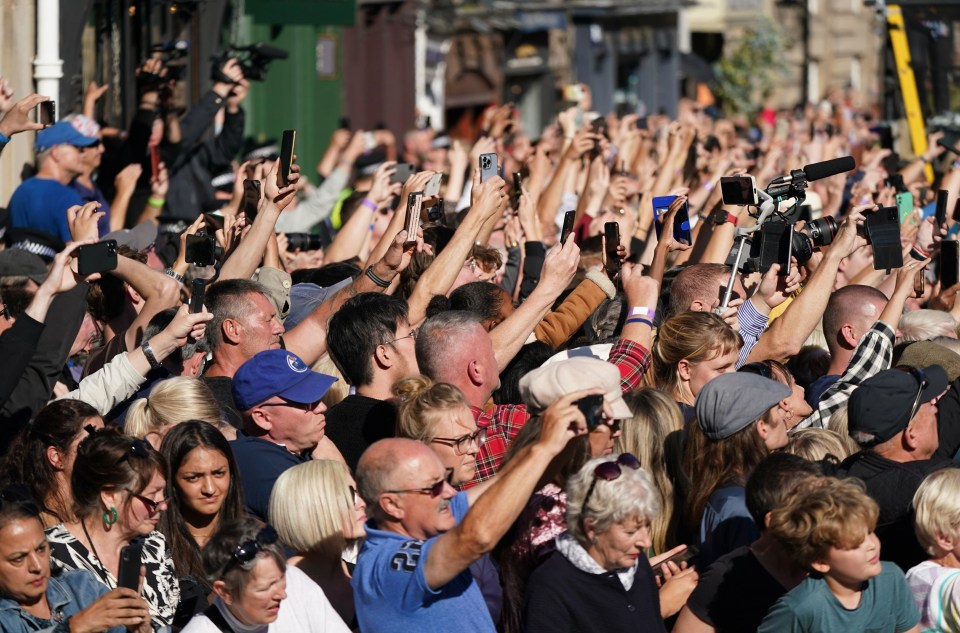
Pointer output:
760, 368
461, 445
148, 503
248, 550
434, 491
413, 334
303, 406
610, 471
921, 378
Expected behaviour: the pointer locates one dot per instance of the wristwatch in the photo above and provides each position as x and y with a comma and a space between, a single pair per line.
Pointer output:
722, 216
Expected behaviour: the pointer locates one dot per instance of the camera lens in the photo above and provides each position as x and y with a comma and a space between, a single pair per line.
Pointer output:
822, 231
802, 248
303, 242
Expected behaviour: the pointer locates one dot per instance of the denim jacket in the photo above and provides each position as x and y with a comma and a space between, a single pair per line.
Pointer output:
67, 593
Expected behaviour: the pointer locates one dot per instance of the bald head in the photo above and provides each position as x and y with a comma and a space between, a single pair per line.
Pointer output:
391, 464
859, 306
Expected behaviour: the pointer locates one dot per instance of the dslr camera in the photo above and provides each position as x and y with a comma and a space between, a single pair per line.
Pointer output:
253, 60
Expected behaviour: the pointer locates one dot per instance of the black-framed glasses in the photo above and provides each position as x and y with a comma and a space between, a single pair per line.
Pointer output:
413, 334
248, 550
461, 445
434, 491
302, 406
148, 503
610, 471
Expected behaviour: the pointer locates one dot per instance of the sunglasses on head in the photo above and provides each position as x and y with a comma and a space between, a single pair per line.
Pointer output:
610, 471
248, 550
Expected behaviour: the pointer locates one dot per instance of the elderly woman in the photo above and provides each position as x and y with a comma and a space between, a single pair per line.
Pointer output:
600, 579
118, 487
34, 599
255, 591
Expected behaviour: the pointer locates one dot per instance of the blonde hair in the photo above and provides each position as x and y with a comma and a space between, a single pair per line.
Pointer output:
838, 423
310, 505
817, 444
338, 390
172, 401
937, 508
823, 513
653, 435
694, 336
423, 404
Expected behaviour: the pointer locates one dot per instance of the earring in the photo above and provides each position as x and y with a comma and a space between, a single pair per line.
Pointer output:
110, 517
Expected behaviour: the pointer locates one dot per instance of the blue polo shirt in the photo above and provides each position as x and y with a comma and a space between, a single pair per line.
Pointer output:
260, 462
390, 589
41, 203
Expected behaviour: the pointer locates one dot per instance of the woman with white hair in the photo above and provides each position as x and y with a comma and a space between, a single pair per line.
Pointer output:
924, 325
600, 579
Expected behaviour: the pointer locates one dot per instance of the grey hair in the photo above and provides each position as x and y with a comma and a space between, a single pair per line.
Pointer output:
632, 494
439, 336
218, 554
228, 299
923, 325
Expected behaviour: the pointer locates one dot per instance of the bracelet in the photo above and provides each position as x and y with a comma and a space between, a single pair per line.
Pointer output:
370, 204
918, 254
156, 202
173, 274
643, 311
148, 352
383, 283
646, 322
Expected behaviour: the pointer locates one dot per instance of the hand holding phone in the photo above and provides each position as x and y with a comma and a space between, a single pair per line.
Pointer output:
568, 218
198, 292
251, 198
128, 575
414, 206
287, 149
592, 409
488, 166
611, 231
97, 258
941, 213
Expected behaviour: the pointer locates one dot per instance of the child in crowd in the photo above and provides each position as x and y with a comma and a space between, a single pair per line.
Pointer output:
936, 582
828, 528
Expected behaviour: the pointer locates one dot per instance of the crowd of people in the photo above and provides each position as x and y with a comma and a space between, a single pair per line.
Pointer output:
339, 416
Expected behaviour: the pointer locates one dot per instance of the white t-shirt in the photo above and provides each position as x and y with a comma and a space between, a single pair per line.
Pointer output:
306, 610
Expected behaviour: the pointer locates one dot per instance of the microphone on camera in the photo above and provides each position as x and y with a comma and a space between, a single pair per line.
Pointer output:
828, 168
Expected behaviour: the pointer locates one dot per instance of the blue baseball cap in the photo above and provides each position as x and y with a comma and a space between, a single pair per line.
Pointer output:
62, 133
277, 372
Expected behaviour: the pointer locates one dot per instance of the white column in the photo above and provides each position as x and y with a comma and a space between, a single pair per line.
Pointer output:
683, 30
48, 67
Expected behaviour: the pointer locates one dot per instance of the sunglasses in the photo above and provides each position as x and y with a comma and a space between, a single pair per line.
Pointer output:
434, 491
148, 503
303, 406
610, 471
248, 550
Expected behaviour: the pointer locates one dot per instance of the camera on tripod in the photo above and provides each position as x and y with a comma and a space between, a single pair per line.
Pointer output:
774, 239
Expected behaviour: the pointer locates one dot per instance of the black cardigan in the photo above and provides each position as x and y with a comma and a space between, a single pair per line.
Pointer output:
560, 597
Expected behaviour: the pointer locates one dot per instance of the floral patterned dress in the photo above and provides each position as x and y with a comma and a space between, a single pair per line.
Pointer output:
160, 588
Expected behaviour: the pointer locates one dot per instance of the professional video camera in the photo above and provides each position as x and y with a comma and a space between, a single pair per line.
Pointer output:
778, 239
253, 60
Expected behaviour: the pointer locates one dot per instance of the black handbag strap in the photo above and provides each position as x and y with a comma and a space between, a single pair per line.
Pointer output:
214, 615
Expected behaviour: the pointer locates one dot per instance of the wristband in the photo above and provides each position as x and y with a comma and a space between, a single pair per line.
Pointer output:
148, 352
383, 283
155, 202
173, 274
918, 254
646, 322
709, 186
370, 204
642, 311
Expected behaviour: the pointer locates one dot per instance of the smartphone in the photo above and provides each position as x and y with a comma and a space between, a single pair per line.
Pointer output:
682, 557
488, 166
251, 198
213, 221
97, 258
403, 172
883, 231
433, 186
128, 576
573, 92
201, 250
776, 246
287, 147
905, 206
568, 218
598, 126
46, 113
949, 264
517, 189
414, 205
592, 409
436, 213
941, 213
344, 123
154, 162
681, 223
198, 292
738, 190
611, 231
918, 282
956, 211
